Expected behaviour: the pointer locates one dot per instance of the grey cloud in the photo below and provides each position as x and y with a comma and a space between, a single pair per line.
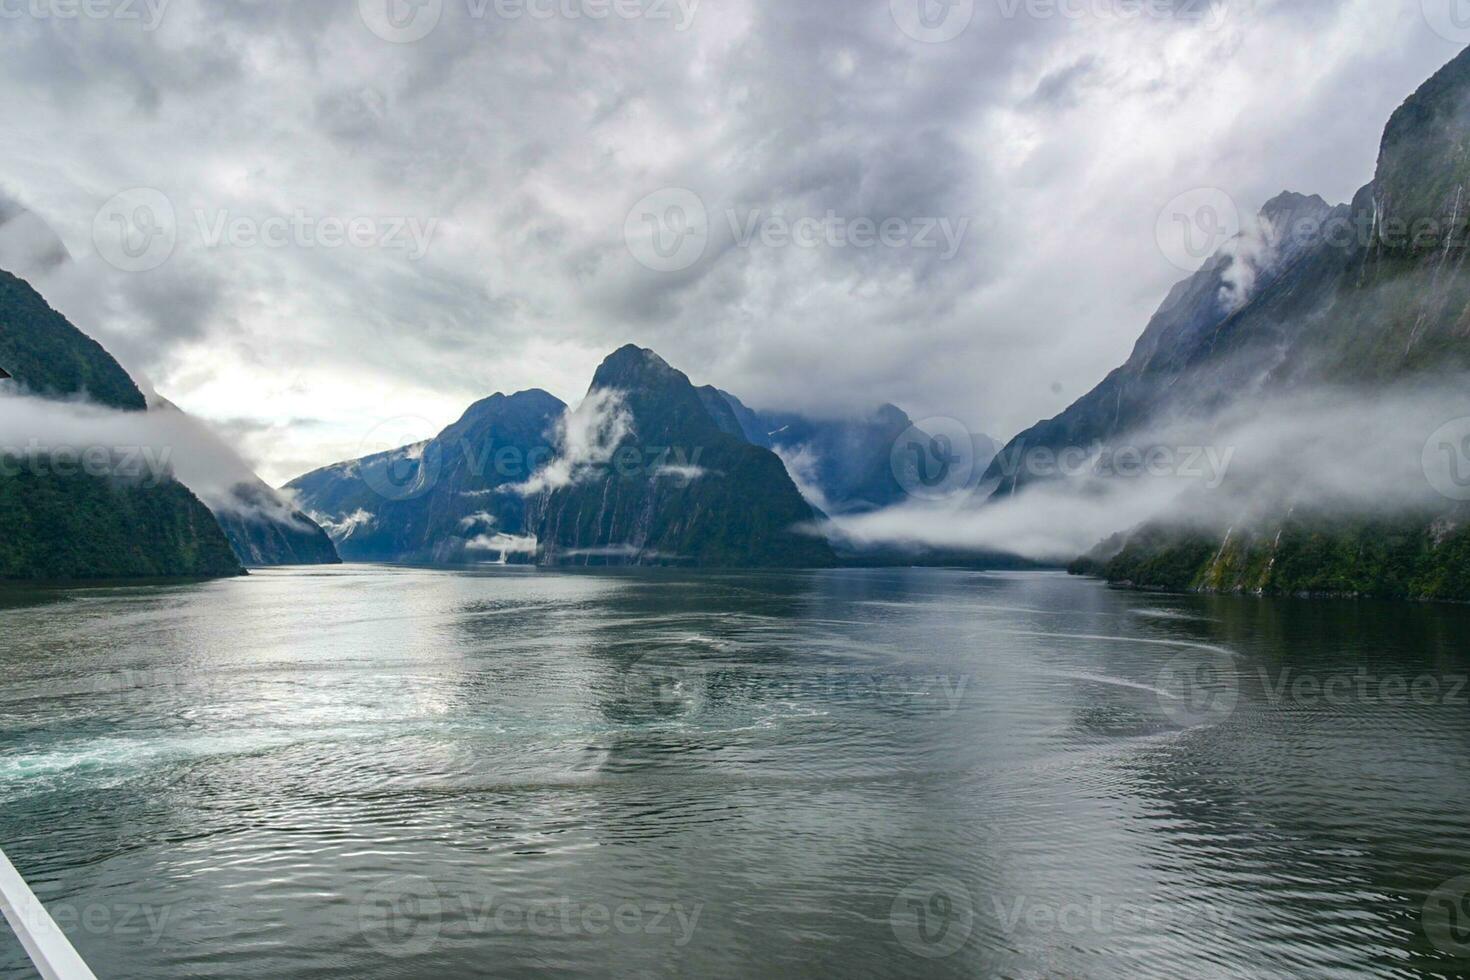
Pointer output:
529, 140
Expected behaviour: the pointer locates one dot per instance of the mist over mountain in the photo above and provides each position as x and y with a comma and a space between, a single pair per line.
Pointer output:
84, 509
679, 488
841, 465
1359, 307
28, 245
1295, 417
639, 473
448, 500
93, 464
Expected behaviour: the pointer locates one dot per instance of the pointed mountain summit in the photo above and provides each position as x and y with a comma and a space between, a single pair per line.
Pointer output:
674, 487
639, 474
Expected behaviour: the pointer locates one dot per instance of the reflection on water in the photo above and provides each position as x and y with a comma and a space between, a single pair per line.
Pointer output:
358, 772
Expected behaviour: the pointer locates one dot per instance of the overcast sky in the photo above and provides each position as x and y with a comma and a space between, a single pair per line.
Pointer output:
527, 190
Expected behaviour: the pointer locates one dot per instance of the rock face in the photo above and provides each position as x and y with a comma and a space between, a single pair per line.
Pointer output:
450, 500
1379, 298
266, 531
641, 474
1217, 338
679, 490
58, 522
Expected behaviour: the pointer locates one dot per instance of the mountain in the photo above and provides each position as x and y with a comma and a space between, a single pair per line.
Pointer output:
60, 519
78, 527
445, 501
676, 488
639, 474
1203, 350
62, 362
264, 530
1379, 299
262, 526
842, 465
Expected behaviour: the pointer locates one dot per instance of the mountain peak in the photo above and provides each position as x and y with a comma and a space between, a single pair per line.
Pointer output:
529, 402
630, 355
1289, 205
632, 366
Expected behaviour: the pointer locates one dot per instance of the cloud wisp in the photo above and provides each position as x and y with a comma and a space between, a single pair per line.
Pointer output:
1406, 451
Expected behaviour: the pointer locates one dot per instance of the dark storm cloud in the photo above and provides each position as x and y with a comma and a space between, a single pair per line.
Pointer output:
519, 145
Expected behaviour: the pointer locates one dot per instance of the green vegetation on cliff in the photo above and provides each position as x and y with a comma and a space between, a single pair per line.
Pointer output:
56, 527
50, 357
1384, 558
1380, 300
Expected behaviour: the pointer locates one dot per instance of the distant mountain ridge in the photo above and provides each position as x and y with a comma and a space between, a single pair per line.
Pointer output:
445, 501
843, 465
640, 474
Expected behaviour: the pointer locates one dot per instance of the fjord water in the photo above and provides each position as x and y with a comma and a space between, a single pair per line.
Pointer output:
374, 772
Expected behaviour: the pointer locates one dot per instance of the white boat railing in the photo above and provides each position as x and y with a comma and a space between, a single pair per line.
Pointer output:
45, 943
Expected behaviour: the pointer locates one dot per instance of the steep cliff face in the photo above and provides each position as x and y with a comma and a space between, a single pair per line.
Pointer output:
450, 500
59, 520
1216, 339
80, 527
677, 489
266, 531
1380, 297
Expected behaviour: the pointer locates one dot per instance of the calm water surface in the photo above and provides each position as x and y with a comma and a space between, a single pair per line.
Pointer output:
370, 772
